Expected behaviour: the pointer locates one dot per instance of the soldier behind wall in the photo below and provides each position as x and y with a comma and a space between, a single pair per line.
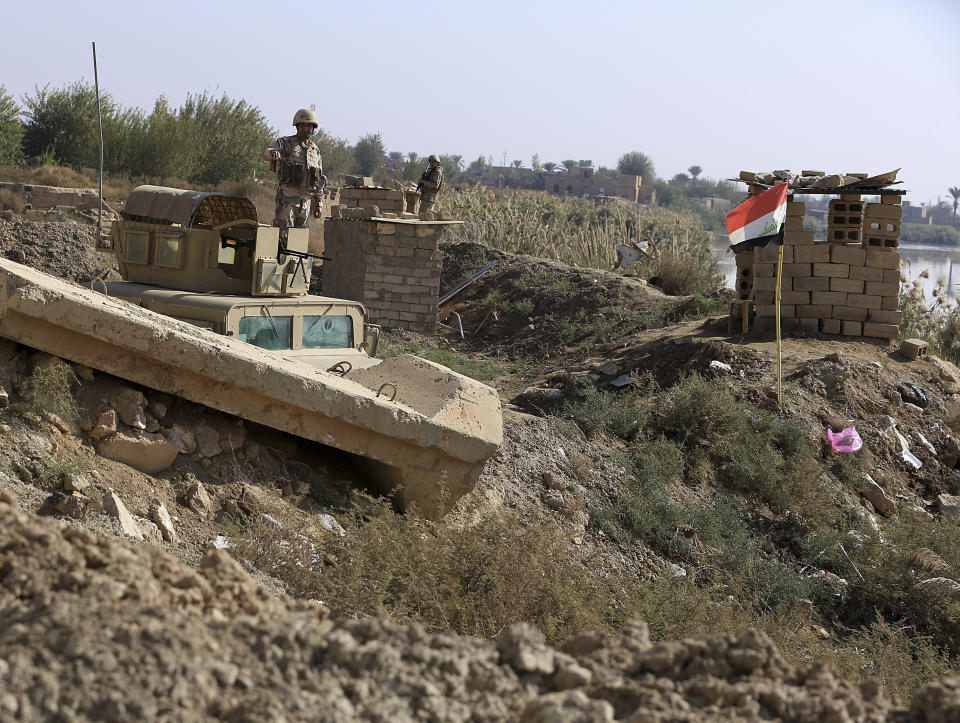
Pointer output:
300, 180
430, 184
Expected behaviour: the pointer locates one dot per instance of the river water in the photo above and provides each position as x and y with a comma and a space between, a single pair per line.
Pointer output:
941, 262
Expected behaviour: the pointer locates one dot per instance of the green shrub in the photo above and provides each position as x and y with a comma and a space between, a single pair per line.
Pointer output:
596, 412
48, 392
471, 579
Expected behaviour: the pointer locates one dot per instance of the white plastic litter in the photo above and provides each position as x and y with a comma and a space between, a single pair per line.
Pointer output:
221, 542
719, 365
905, 452
914, 407
678, 570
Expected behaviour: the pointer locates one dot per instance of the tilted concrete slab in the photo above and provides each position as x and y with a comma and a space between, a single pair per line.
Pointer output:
430, 442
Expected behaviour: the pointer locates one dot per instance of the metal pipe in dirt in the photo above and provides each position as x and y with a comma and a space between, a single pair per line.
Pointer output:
96, 85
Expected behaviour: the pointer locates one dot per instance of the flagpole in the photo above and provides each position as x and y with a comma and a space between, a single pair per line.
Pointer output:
779, 344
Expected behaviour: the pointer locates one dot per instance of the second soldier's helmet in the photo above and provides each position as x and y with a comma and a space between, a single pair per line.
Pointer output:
305, 115
433, 157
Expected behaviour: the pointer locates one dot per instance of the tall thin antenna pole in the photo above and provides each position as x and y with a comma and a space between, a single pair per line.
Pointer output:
96, 85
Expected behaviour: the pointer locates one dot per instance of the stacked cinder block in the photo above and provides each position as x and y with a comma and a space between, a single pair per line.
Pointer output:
881, 223
845, 219
393, 268
744, 261
388, 201
831, 287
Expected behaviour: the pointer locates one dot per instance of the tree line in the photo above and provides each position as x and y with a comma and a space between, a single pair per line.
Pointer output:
205, 141
210, 139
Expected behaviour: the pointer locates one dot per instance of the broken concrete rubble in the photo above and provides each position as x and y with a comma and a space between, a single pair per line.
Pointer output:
113, 506
149, 453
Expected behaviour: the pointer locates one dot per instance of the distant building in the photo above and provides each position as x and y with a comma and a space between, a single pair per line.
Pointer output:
581, 182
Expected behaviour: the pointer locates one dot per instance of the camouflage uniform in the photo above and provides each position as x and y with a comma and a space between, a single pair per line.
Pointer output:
299, 178
430, 184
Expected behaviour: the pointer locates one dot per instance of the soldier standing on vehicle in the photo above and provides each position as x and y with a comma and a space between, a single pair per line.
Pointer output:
430, 183
296, 161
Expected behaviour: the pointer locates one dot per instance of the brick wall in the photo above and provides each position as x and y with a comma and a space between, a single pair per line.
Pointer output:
391, 266
846, 285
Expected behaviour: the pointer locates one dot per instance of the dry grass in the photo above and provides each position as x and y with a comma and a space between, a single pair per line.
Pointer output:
586, 233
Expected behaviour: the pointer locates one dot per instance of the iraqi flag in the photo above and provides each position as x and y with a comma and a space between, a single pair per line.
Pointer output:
758, 221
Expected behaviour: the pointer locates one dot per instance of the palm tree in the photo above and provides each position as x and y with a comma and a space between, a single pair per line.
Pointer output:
412, 157
570, 165
694, 171
549, 166
955, 192
517, 164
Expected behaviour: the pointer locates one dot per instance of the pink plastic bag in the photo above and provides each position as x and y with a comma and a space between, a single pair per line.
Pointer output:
846, 441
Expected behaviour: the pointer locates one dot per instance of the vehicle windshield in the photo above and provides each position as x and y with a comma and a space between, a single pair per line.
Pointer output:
327, 332
267, 332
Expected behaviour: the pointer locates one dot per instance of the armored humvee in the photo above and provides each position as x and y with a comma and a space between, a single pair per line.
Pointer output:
203, 258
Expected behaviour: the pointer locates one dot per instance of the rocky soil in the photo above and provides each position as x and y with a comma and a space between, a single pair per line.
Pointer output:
99, 629
119, 599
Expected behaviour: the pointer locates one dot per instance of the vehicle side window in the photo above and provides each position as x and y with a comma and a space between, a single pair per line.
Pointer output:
259, 331
327, 332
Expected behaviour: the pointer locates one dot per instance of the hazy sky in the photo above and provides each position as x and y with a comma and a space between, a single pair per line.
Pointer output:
728, 85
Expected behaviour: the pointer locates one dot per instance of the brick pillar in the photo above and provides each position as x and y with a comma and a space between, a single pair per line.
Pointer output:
391, 266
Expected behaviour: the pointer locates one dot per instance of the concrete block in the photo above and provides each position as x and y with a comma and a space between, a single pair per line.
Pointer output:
850, 197
762, 270
882, 259
880, 288
787, 311
794, 297
850, 286
794, 223
832, 298
913, 348
764, 283
890, 303
768, 254
849, 313
867, 273
865, 301
882, 210
845, 207
830, 326
888, 199
814, 253
885, 317
836, 271
881, 227
814, 311
762, 297
805, 325
797, 238
792, 270
881, 243
851, 328
891, 276
843, 235
796, 208
852, 255
815, 283
385, 229
880, 331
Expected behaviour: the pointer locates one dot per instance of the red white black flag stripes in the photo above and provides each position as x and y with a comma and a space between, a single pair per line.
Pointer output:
758, 221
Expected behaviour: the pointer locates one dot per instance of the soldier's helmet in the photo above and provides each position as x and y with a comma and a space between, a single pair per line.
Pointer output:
305, 115
431, 157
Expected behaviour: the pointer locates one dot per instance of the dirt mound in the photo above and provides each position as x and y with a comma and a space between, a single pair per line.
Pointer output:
531, 306
103, 630
67, 250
